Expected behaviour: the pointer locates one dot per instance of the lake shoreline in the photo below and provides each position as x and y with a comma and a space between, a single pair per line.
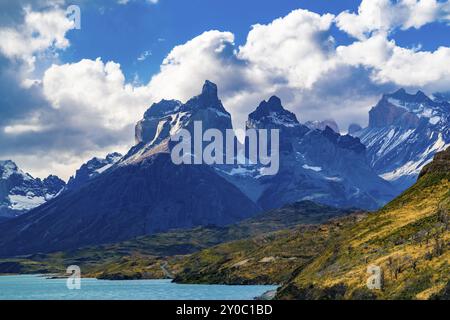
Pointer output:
40, 287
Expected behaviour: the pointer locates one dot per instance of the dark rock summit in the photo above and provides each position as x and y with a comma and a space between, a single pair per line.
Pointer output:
271, 115
385, 113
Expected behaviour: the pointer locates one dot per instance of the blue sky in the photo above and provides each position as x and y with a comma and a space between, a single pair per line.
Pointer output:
67, 95
122, 33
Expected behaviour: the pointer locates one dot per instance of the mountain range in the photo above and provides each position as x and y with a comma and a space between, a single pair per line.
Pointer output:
143, 192
317, 165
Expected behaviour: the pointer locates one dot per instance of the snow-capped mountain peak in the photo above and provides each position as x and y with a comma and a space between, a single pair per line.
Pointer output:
9, 168
20, 192
166, 118
92, 169
271, 114
321, 125
435, 111
405, 131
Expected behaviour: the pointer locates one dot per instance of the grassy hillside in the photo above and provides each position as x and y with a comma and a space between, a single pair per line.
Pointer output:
408, 239
146, 257
266, 259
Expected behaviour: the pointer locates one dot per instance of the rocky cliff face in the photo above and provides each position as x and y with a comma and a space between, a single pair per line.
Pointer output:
166, 117
321, 166
156, 120
385, 113
439, 165
404, 132
20, 192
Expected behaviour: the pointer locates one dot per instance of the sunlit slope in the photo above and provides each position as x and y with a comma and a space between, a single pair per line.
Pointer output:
265, 259
142, 257
409, 239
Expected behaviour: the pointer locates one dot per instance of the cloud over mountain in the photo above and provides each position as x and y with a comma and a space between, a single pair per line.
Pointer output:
88, 106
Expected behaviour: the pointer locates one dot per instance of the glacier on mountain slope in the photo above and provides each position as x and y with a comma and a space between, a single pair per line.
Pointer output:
20, 192
26, 202
405, 131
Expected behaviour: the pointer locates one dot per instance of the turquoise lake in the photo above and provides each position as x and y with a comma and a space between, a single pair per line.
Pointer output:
32, 287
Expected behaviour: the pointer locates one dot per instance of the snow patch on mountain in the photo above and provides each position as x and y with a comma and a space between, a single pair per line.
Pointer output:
321, 125
20, 192
8, 168
405, 131
316, 169
92, 169
335, 179
26, 202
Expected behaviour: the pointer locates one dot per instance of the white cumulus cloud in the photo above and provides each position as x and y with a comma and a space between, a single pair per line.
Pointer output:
39, 32
92, 108
385, 15
94, 93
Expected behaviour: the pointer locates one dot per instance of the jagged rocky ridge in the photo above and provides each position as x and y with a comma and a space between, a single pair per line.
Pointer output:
20, 192
92, 169
145, 193
405, 131
321, 166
